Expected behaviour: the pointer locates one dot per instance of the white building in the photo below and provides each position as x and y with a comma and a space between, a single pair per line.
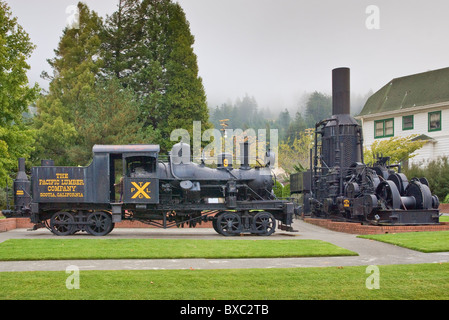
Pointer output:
417, 104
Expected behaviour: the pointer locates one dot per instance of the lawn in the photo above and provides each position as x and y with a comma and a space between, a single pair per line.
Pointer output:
434, 241
73, 249
411, 282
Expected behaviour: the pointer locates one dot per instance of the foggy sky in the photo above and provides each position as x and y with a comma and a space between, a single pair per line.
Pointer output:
275, 50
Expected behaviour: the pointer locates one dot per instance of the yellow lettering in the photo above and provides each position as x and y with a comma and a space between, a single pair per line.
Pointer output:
61, 187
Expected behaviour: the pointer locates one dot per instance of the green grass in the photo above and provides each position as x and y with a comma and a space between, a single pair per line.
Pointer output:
444, 219
411, 282
73, 249
434, 241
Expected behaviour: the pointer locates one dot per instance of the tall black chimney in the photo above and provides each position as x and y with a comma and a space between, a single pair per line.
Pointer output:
341, 91
341, 137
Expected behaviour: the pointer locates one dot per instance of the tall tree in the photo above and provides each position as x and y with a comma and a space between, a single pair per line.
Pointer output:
283, 123
185, 98
75, 68
110, 118
297, 126
120, 35
15, 94
318, 107
153, 54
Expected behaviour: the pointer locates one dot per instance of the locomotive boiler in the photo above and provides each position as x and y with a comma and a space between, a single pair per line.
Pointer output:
339, 185
130, 182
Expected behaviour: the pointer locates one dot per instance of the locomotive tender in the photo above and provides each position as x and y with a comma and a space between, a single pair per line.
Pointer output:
129, 182
341, 186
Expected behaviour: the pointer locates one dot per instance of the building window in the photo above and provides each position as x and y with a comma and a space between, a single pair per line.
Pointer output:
384, 128
435, 121
407, 122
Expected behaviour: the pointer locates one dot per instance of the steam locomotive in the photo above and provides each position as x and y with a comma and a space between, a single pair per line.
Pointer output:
341, 186
338, 185
163, 194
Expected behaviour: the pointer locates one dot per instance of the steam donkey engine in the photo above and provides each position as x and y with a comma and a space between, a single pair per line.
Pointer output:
340, 185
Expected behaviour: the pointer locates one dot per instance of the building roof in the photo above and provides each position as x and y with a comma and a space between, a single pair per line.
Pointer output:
410, 91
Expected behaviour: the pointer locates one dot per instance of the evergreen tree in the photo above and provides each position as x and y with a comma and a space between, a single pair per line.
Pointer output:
185, 98
120, 35
15, 94
283, 123
153, 55
110, 118
75, 69
297, 126
318, 107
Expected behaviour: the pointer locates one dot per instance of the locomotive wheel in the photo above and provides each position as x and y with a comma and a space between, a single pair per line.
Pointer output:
214, 222
264, 223
62, 223
99, 223
228, 224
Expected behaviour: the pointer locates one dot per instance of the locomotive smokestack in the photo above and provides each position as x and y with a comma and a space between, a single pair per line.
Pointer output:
21, 175
341, 91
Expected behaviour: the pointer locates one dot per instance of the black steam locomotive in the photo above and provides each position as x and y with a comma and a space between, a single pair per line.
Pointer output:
129, 182
340, 186
178, 192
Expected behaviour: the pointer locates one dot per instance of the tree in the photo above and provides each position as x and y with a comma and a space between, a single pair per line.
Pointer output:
318, 107
120, 35
399, 149
296, 154
110, 118
296, 127
283, 123
75, 69
157, 61
183, 99
15, 94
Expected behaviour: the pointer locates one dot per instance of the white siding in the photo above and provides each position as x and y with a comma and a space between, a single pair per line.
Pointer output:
431, 150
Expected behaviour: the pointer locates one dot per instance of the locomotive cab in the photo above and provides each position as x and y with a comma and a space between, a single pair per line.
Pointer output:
133, 176
140, 182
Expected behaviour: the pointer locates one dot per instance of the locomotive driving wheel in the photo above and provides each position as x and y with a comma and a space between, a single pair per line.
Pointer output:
264, 223
62, 223
99, 223
228, 223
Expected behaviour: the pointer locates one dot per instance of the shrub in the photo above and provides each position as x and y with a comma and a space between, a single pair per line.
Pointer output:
436, 172
446, 199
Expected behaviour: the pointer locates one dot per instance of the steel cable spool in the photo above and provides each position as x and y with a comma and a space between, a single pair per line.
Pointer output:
388, 191
421, 193
400, 180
